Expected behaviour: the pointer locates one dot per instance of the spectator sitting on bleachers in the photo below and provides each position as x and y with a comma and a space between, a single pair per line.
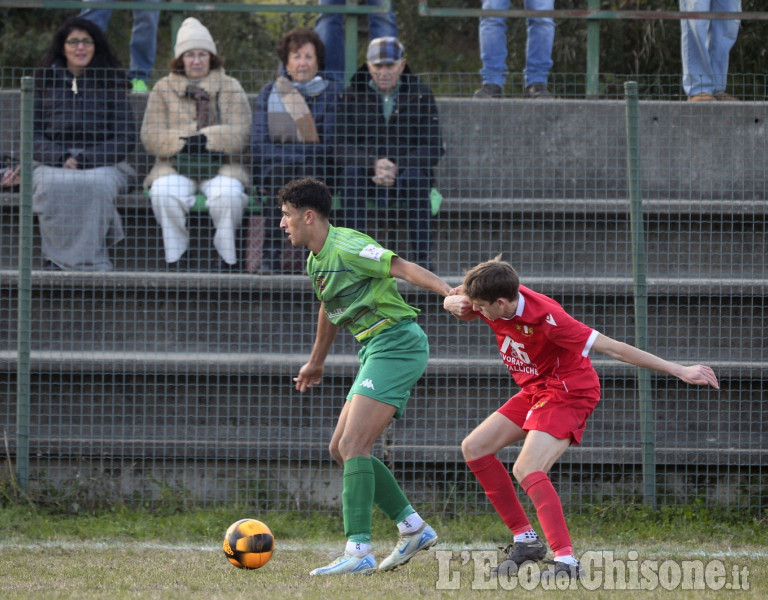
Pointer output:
83, 131
389, 141
292, 129
197, 125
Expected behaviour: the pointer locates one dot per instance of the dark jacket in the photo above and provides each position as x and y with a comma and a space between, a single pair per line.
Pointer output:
411, 138
265, 153
95, 125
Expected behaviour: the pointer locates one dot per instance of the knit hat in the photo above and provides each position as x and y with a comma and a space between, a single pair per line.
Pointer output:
385, 51
193, 35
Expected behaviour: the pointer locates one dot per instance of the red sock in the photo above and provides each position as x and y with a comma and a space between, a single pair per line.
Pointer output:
549, 509
498, 486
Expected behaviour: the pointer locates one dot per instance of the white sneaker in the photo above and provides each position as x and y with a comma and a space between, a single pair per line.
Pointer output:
347, 563
407, 546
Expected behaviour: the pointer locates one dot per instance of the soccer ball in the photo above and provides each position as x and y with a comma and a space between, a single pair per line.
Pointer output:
248, 544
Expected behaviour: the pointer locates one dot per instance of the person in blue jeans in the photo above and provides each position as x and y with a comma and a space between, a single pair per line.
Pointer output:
330, 28
538, 51
143, 41
705, 46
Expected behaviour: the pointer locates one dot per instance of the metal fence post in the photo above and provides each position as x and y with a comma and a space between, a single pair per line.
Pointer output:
24, 328
350, 43
593, 53
647, 434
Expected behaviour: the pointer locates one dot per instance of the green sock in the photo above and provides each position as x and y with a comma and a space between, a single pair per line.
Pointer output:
357, 498
388, 495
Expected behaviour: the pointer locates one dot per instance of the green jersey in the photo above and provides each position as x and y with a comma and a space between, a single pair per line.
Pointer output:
351, 277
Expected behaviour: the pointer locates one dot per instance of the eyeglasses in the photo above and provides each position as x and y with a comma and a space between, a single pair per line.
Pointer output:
75, 42
191, 55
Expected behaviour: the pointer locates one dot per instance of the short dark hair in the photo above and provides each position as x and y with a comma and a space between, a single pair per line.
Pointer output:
307, 193
103, 55
177, 64
492, 280
295, 39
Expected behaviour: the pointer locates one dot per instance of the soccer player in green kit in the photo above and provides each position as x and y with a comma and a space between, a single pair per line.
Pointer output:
354, 279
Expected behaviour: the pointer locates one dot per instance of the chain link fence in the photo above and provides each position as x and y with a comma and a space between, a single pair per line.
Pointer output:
150, 380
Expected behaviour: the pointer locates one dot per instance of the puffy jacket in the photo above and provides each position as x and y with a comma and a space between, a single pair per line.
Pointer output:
170, 116
88, 117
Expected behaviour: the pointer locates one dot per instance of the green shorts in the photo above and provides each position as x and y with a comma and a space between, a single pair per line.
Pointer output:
390, 365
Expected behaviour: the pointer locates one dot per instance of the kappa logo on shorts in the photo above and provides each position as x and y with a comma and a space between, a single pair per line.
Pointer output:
368, 384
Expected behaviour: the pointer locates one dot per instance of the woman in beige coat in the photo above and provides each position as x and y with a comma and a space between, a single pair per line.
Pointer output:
197, 125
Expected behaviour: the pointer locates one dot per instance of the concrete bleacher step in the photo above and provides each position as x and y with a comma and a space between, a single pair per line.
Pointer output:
160, 356
218, 405
574, 237
592, 237
218, 313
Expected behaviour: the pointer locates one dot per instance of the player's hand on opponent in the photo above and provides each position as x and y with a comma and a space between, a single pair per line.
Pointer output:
699, 375
309, 376
459, 306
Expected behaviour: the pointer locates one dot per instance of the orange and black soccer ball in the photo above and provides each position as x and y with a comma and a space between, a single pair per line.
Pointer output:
248, 544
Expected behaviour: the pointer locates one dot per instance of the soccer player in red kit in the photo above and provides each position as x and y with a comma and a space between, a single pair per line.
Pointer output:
547, 353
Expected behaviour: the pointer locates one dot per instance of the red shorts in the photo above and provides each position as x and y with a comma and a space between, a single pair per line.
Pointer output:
552, 409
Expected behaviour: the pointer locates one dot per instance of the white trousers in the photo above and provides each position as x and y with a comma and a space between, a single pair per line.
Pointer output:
172, 197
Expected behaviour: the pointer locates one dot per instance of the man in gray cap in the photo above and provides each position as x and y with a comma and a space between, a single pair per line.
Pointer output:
388, 144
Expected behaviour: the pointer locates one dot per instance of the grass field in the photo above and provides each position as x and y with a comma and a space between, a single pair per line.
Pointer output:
125, 554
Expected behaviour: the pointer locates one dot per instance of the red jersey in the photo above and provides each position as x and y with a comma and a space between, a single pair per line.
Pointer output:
542, 342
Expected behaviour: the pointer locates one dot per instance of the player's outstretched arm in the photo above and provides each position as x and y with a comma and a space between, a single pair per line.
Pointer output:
460, 307
418, 275
694, 374
312, 372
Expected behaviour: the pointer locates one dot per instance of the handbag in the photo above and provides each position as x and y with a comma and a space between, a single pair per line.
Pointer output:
10, 174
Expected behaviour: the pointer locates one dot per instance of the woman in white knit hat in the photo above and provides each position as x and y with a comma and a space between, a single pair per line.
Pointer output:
197, 125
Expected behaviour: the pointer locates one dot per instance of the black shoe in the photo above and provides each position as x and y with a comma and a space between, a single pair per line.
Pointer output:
560, 570
519, 553
537, 90
489, 90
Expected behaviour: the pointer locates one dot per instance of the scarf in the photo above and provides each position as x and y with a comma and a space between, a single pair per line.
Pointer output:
288, 116
206, 110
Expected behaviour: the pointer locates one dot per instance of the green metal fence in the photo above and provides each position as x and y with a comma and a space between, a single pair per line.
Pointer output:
645, 219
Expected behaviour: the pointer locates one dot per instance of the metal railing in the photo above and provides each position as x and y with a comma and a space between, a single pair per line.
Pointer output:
351, 9
593, 14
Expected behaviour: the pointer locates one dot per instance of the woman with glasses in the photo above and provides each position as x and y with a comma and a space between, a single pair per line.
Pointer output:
83, 132
197, 125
